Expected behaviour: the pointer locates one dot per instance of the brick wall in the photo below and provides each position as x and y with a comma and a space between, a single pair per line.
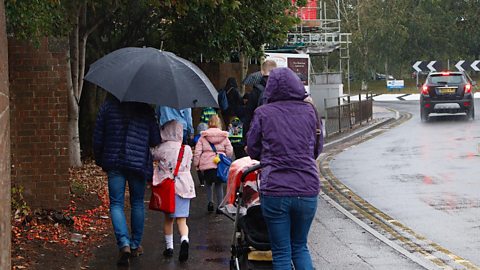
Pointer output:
4, 148
39, 121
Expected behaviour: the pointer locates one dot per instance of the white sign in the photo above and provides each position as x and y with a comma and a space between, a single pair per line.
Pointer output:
459, 65
416, 66
395, 84
299, 63
474, 65
431, 67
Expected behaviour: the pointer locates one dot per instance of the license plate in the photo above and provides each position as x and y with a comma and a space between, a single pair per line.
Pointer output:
447, 91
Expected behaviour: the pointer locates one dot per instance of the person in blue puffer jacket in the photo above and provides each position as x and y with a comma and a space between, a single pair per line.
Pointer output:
123, 135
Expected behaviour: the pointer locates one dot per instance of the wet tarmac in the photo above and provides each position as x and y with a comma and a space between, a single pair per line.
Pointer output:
335, 241
209, 235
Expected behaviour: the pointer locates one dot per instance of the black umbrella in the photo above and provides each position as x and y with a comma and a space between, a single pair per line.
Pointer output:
253, 78
152, 76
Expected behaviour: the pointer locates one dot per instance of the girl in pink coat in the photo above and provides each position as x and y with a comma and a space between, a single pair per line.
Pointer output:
203, 158
167, 154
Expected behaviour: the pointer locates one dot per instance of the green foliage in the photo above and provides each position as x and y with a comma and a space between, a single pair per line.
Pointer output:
217, 32
395, 33
18, 205
77, 188
33, 19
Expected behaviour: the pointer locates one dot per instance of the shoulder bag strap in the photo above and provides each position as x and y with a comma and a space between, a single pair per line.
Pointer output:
318, 132
213, 147
179, 160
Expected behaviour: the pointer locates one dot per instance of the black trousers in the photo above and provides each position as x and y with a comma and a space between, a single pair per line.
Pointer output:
239, 151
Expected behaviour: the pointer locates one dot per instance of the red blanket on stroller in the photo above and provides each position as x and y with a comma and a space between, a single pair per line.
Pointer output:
250, 190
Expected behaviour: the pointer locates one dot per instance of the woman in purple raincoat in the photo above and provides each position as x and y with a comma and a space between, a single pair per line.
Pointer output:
283, 137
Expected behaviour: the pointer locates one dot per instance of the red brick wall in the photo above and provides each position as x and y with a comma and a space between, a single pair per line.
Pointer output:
4, 148
39, 121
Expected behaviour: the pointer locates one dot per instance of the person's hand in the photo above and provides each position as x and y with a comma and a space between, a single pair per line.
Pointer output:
245, 149
309, 99
149, 185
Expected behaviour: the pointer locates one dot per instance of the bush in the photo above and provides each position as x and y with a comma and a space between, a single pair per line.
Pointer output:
19, 207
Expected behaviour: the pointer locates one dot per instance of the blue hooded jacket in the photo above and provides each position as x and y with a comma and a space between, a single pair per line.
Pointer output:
123, 135
282, 136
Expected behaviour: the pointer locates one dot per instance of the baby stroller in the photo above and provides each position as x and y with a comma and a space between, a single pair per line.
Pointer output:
250, 249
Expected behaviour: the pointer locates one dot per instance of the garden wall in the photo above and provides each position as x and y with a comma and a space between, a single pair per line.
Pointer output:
39, 121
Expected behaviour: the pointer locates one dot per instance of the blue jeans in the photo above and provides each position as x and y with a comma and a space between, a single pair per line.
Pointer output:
116, 188
293, 215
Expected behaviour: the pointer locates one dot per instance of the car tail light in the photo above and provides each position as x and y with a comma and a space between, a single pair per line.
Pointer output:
466, 104
468, 88
424, 89
445, 73
427, 105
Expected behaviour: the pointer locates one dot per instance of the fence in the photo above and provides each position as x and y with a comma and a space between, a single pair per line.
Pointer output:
347, 113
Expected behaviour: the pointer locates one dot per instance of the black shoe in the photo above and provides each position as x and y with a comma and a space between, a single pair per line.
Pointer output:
124, 257
137, 251
210, 207
183, 251
218, 212
168, 252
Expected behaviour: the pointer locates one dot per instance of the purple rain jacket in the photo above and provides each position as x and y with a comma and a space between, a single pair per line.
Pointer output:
282, 136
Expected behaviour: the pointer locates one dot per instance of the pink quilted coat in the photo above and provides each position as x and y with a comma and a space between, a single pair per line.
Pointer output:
204, 154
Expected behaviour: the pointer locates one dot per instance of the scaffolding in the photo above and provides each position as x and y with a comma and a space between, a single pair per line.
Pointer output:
318, 34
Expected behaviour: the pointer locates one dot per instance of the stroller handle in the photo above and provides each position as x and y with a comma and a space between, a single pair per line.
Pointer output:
250, 170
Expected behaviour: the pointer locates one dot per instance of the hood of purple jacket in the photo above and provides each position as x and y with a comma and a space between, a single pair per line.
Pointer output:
283, 84
282, 136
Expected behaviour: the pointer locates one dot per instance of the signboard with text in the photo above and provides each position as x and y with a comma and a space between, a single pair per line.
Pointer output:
395, 84
299, 63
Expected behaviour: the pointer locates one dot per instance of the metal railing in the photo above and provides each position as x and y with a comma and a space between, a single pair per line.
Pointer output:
347, 113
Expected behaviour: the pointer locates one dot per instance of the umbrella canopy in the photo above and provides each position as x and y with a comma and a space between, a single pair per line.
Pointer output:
152, 76
253, 78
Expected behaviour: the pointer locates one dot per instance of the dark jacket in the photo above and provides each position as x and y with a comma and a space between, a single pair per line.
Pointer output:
255, 99
123, 135
282, 136
234, 99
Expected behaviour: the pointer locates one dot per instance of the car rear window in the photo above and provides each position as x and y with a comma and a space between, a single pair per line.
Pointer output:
446, 79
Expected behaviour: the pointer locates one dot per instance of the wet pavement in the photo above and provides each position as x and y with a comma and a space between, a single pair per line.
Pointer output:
209, 235
335, 240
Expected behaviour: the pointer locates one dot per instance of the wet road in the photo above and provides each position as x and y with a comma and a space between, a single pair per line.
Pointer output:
425, 175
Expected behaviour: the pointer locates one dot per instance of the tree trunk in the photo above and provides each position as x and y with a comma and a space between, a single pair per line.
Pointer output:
386, 70
75, 155
73, 112
74, 144
244, 70
76, 69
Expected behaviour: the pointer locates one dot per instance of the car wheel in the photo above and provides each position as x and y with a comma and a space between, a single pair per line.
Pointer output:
423, 115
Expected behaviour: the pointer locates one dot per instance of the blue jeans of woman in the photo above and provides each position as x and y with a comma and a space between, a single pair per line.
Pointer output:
294, 215
116, 188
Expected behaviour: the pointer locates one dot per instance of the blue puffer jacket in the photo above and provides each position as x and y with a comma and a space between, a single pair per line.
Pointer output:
124, 133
